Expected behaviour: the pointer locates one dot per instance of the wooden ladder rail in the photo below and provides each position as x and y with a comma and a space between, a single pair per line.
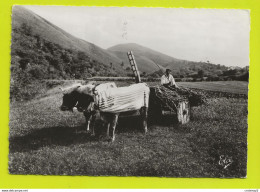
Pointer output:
133, 64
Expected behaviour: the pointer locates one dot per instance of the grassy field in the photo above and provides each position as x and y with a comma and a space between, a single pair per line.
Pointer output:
239, 87
47, 141
236, 87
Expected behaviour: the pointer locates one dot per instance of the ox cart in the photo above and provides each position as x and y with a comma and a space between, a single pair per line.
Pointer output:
165, 100
106, 102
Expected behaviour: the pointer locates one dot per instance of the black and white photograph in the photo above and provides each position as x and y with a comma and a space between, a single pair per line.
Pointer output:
128, 91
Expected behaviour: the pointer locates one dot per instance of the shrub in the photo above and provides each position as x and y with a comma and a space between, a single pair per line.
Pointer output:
37, 72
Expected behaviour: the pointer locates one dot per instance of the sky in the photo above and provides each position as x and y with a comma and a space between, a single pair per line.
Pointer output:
220, 36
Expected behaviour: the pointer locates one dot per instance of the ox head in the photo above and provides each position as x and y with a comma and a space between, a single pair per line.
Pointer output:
79, 96
86, 99
70, 98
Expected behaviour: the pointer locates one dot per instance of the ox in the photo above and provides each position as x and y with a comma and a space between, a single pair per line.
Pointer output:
108, 101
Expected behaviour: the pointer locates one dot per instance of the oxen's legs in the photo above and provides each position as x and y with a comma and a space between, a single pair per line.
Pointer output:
113, 125
144, 116
88, 118
108, 125
94, 116
90, 122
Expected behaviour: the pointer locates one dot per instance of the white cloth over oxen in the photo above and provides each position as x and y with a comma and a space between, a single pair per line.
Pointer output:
106, 97
121, 99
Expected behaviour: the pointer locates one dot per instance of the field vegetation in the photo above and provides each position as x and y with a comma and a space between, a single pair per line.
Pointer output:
46, 141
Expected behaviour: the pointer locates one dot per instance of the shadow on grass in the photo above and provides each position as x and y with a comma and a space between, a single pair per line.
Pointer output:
134, 124
61, 136
65, 136
129, 125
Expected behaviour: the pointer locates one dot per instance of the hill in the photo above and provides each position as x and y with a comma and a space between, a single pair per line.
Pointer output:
144, 64
153, 63
41, 50
148, 60
50, 32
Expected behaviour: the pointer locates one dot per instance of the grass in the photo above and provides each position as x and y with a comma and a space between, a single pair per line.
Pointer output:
237, 87
46, 141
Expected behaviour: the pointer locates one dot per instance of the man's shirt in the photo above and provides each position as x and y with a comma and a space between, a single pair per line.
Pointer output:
168, 79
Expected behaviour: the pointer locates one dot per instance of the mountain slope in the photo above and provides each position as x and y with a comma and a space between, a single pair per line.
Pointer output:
41, 51
148, 60
144, 64
54, 34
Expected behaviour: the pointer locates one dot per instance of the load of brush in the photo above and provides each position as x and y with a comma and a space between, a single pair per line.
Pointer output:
170, 96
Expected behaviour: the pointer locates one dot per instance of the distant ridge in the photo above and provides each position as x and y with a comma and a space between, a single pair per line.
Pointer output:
148, 60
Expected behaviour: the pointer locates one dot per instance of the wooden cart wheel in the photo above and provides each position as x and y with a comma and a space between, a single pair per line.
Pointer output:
183, 112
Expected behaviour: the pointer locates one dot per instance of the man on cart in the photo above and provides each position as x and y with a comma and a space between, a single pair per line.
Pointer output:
167, 79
